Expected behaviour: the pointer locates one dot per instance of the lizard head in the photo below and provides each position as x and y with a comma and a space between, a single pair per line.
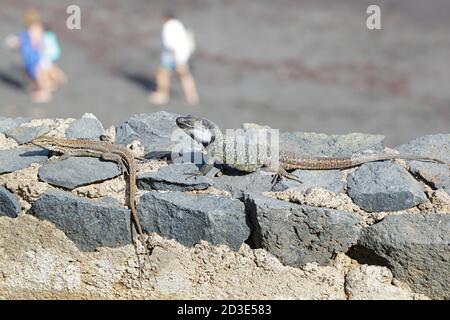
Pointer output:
49, 143
201, 130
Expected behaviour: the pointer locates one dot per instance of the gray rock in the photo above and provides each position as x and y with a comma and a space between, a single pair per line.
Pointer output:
384, 186
435, 146
298, 234
157, 132
88, 223
241, 183
20, 158
190, 218
26, 134
9, 123
319, 144
78, 171
437, 175
87, 127
9, 203
332, 180
416, 247
175, 177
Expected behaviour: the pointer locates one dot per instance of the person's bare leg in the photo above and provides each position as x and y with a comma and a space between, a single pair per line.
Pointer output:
42, 93
161, 95
188, 84
57, 75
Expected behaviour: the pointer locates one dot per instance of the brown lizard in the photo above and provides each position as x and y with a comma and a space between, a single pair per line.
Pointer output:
104, 150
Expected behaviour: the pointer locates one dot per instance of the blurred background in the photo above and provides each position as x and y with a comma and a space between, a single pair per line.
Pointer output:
296, 65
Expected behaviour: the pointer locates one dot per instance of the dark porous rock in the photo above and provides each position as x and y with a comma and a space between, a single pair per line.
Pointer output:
88, 127
190, 218
158, 133
9, 123
88, 223
240, 183
433, 146
437, 175
384, 186
332, 180
175, 177
78, 171
26, 134
298, 234
9, 203
416, 247
320, 144
20, 158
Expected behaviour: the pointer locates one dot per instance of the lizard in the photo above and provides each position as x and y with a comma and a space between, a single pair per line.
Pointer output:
104, 150
225, 150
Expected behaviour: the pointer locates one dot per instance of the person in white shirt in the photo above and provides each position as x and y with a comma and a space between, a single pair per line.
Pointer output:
176, 52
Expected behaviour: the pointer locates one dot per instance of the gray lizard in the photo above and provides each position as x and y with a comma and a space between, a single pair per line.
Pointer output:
242, 155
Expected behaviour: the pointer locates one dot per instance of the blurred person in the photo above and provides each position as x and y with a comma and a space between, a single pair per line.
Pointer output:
50, 54
31, 44
177, 49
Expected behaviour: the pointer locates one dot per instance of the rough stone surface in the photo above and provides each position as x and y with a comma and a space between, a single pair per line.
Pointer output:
319, 144
37, 261
176, 177
316, 197
416, 247
435, 174
238, 185
435, 146
190, 218
9, 203
331, 180
9, 123
88, 223
298, 234
375, 283
384, 186
87, 127
262, 181
26, 134
25, 184
16, 159
158, 133
78, 171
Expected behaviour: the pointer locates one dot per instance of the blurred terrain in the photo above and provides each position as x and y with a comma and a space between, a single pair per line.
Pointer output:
296, 65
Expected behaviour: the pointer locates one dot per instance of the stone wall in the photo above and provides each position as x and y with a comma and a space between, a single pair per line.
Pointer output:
389, 221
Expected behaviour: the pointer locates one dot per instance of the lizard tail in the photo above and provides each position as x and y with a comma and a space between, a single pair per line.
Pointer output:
382, 157
291, 161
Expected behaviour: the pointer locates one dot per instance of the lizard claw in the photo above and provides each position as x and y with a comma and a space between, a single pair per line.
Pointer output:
278, 176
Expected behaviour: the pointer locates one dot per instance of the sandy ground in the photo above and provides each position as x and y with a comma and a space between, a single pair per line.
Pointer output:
298, 65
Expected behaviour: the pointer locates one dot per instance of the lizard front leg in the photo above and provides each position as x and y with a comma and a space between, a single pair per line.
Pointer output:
203, 171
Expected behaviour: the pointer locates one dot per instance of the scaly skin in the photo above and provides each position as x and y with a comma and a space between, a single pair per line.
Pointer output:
215, 143
291, 161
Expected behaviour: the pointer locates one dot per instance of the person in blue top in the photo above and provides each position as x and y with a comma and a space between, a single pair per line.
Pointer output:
32, 47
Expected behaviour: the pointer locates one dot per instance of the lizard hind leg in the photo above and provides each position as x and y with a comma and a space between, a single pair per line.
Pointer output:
117, 159
281, 172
